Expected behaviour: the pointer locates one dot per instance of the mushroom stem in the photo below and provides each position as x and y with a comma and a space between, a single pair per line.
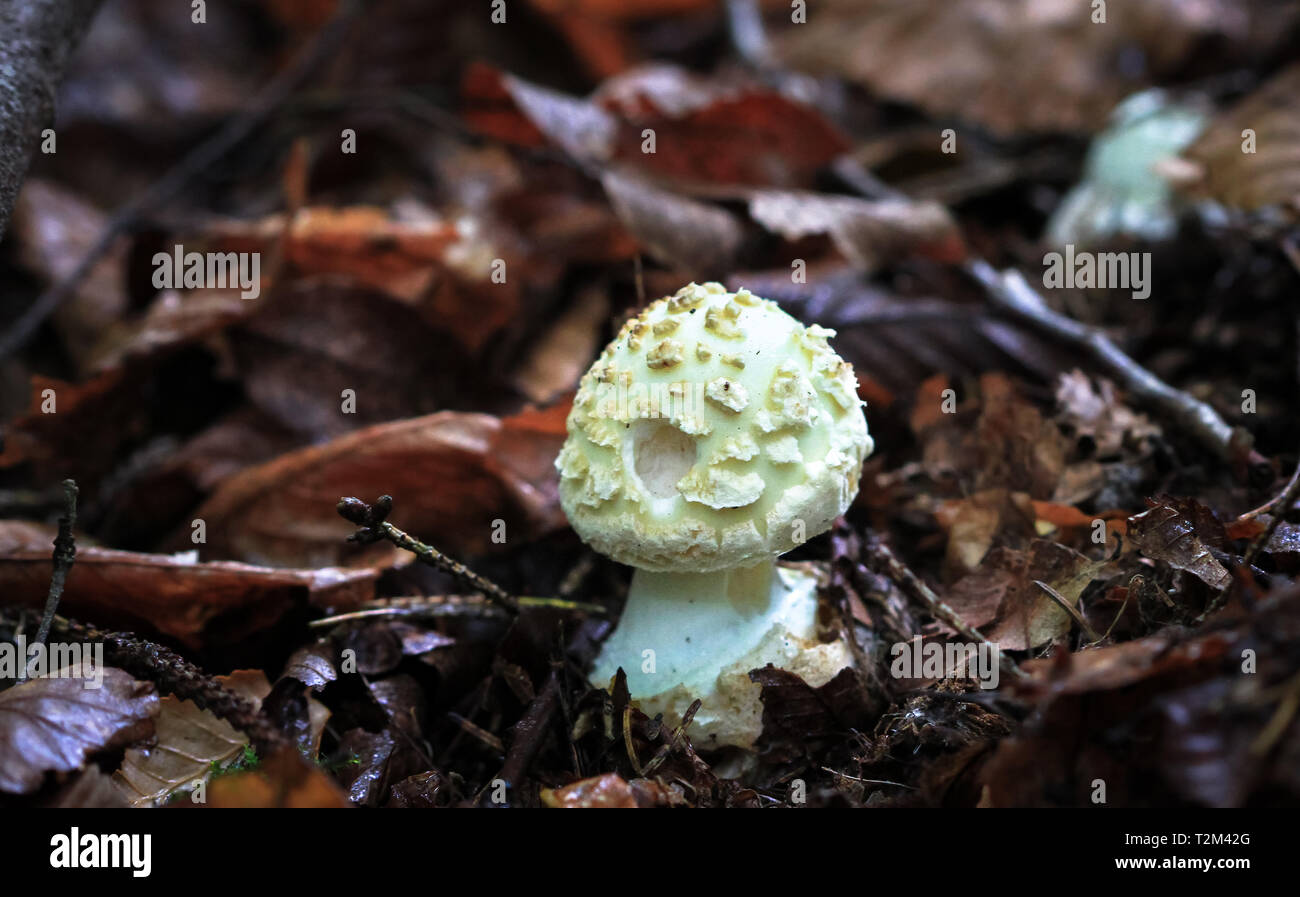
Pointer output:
697, 624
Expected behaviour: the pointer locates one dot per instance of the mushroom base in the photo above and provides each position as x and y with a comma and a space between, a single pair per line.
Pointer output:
684, 636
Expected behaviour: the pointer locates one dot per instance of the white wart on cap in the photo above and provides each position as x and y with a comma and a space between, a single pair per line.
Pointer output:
715, 431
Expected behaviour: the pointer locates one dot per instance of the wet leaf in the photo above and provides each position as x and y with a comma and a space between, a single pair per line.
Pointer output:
54, 724
600, 792
189, 743
1167, 533
173, 594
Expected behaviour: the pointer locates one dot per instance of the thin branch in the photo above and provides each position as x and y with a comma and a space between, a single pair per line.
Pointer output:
65, 552
372, 527
323, 47
1010, 292
1070, 609
531, 731
452, 606
1280, 506
888, 564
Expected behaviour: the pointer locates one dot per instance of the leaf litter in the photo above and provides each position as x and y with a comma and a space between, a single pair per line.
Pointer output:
1033, 492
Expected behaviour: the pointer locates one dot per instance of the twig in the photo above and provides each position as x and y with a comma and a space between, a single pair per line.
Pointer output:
1010, 292
628, 743
531, 731
36, 39
324, 46
1280, 506
65, 552
452, 606
1271, 506
489, 740
1069, 609
372, 527
675, 739
888, 564
845, 775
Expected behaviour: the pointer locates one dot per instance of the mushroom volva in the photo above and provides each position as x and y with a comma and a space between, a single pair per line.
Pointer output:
713, 434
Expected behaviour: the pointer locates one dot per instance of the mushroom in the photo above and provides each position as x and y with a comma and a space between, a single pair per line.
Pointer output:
714, 434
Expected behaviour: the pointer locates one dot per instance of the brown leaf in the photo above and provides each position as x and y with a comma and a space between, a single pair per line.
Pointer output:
187, 744
517, 111
450, 474
424, 790
600, 792
51, 435
1268, 176
374, 762
171, 594
678, 231
443, 268
709, 131
54, 229
1096, 411
562, 354
315, 339
868, 233
285, 779
796, 715
1000, 597
717, 131
979, 521
1017, 448
1016, 65
1166, 533
54, 724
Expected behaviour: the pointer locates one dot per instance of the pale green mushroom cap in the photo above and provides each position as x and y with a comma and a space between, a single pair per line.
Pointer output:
715, 431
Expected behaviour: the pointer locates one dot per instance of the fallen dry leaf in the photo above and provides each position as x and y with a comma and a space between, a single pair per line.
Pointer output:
1015, 65
868, 233
560, 355
285, 779
1168, 533
53, 229
450, 474
608, 791
675, 229
189, 743
1270, 174
716, 131
977, 522
175, 595
709, 131
54, 724
1000, 597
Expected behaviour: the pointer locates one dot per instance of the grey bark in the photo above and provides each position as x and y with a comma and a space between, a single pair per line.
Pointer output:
36, 39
